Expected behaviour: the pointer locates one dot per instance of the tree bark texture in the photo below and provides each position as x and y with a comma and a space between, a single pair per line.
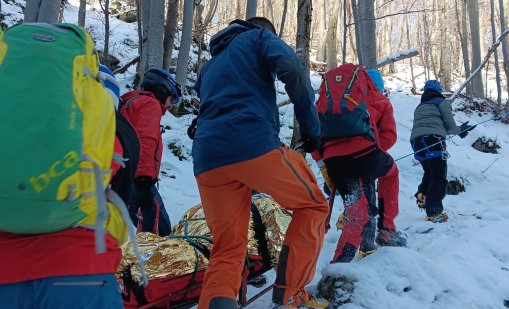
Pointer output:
473, 13
368, 38
185, 42
358, 31
495, 54
170, 29
251, 8
283, 18
106, 49
145, 22
505, 49
304, 9
332, 26
82, 11
155, 35
45, 11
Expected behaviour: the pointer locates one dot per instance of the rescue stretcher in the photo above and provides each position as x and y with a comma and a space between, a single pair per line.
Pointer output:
176, 264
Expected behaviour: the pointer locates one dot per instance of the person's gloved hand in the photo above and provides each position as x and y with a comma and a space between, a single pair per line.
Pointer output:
327, 179
191, 131
144, 195
310, 144
464, 129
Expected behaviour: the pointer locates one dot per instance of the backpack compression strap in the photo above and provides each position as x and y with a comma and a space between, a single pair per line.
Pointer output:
346, 95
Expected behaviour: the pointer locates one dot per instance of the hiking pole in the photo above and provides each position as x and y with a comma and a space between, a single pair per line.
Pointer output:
331, 205
449, 137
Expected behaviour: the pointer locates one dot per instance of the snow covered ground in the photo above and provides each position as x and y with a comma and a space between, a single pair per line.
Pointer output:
463, 263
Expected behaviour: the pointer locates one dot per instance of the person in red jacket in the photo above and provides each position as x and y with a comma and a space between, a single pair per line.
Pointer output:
388, 185
144, 109
351, 165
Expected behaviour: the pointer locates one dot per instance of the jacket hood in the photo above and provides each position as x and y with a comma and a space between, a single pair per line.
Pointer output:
221, 39
129, 95
431, 94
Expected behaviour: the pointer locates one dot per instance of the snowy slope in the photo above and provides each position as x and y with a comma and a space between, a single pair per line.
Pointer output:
463, 263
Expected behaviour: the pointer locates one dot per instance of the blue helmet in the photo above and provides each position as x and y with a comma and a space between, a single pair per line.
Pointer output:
162, 84
377, 79
433, 84
107, 78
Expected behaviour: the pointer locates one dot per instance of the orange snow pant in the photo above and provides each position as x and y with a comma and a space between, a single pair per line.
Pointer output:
226, 198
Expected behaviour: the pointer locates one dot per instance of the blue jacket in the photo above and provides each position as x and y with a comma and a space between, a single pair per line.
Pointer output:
239, 118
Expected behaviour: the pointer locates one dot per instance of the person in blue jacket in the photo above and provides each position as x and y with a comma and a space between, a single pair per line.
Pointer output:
236, 150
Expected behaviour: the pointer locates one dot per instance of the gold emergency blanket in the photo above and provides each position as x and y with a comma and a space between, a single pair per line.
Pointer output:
193, 223
163, 257
173, 257
276, 220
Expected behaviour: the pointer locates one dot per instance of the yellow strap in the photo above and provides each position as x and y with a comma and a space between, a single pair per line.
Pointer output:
349, 98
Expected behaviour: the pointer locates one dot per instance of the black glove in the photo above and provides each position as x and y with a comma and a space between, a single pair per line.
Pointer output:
464, 129
310, 144
144, 196
192, 128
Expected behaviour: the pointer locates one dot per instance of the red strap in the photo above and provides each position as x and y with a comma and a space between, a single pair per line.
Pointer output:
140, 220
156, 221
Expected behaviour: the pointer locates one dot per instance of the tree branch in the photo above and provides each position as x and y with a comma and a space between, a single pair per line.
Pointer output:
478, 69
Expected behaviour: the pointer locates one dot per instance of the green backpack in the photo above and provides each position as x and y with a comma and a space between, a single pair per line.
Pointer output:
57, 128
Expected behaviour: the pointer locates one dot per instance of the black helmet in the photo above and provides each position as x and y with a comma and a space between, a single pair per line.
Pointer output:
162, 85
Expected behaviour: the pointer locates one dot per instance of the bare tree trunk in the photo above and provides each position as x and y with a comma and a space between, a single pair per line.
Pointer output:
497, 69
283, 18
106, 49
473, 12
505, 49
82, 11
270, 10
445, 50
237, 11
332, 50
199, 30
32, 10
210, 13
384, 45
304, 9
321, 33
368, 37
139, 66
345, 30
155, 35
185, 42
49, 12
170, 29
145, 47
46, 11
251, 8
304, 29
414, 87
358, 30
463, 34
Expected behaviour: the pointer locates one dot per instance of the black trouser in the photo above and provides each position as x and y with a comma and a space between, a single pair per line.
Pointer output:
354, 177
434, 180
152, 219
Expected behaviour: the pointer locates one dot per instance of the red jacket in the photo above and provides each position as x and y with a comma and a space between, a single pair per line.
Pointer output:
383, 115
67, 253
382, 121
144, 112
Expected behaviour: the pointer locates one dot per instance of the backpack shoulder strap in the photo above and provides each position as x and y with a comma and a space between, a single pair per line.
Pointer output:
131, 100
